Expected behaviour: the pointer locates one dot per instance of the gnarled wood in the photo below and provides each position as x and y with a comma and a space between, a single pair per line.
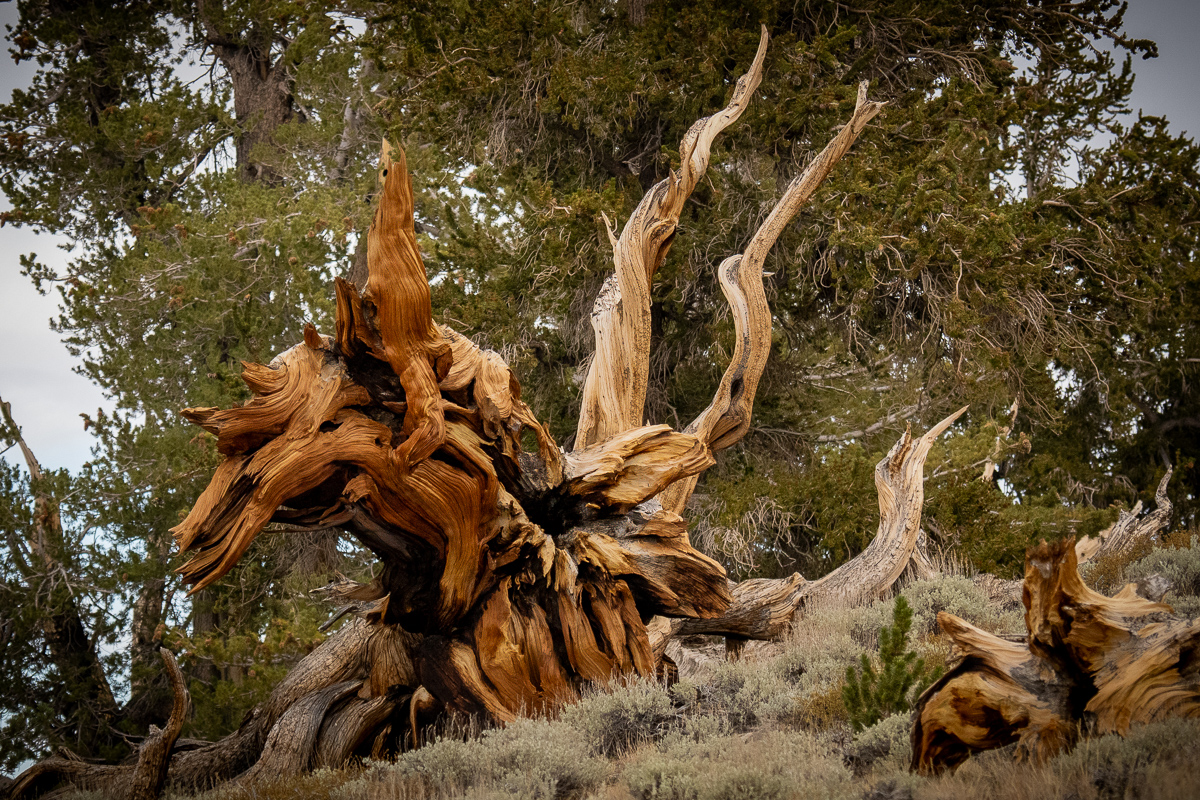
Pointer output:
765, 608
509, 613
1130, 529
1108, 661
614, 390
900, 481
510, 578
762, 608
998, 693
727, 417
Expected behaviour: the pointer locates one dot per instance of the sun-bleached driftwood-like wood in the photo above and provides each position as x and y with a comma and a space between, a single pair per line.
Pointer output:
614, 389
1088, 660
511, 575
154, 754
1131, 529
766, 608
727, 418
142, 780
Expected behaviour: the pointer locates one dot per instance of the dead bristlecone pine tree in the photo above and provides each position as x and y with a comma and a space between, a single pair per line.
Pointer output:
509, 578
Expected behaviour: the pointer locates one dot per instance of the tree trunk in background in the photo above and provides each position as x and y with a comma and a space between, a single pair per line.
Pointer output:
87, 699
262, 101
262, 94
149, 691
511, 578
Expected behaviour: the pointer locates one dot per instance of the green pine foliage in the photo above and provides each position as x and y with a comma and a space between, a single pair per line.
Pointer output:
870, 694
950, 259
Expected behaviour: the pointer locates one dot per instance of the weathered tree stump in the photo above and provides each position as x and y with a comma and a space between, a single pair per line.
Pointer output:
510, 577
1089, 664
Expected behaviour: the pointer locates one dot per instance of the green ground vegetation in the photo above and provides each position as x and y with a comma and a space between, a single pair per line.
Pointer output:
999, 235
771, 725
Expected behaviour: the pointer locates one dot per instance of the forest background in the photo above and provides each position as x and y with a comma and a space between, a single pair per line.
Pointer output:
1005, 235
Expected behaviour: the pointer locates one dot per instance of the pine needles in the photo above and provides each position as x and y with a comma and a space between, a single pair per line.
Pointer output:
870, 695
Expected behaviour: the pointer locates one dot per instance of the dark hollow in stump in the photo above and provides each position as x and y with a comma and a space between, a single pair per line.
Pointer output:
1089, 664
510, 578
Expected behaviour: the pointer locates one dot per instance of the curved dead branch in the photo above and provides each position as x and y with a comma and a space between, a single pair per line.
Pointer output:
1130, 529
614, 391
765, 608
154, 755
727, 417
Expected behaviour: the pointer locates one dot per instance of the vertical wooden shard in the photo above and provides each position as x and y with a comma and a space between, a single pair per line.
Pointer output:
154, 754
727, 417
614, 390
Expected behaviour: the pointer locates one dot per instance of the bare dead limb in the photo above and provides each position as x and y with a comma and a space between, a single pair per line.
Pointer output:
154, 755
765, 608
1129, 530
727, 418
614, 391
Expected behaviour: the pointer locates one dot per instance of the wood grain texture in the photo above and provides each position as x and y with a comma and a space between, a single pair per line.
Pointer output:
766, 608
1088, 662
727, 418
614, 389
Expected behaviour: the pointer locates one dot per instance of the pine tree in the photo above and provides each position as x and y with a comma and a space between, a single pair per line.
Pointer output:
871, 695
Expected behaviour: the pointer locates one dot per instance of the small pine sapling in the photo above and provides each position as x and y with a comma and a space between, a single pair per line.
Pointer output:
871, 695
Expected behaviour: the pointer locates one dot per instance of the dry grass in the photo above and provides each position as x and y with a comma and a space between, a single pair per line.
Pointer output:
772, 725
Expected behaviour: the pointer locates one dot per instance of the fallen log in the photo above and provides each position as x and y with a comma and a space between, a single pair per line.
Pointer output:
1089, 664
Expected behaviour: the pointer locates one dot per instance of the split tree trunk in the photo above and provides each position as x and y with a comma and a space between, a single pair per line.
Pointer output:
1088, 662
510, 579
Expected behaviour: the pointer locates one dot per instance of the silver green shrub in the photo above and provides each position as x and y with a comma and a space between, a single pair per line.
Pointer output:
619, 718
767, 764
528, 758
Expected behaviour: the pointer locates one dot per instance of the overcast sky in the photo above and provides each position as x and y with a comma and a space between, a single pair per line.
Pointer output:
36, 371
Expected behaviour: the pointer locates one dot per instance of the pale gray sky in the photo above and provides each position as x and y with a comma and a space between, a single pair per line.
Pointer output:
47, 397
36, 374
